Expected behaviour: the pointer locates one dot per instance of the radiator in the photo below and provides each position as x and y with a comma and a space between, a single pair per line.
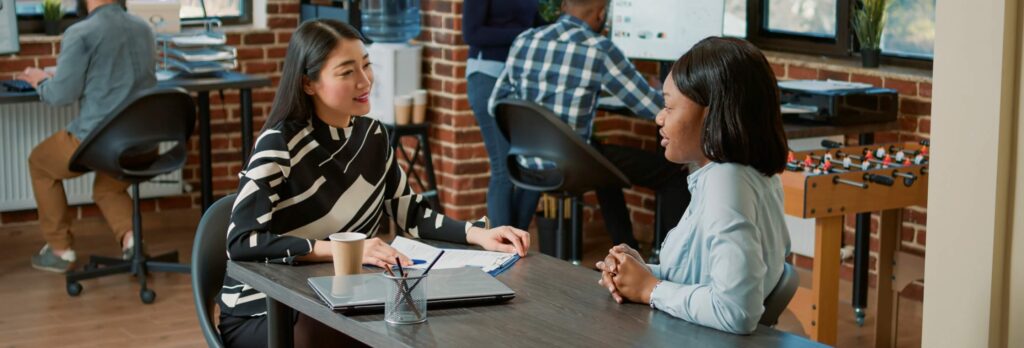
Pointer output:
22, 126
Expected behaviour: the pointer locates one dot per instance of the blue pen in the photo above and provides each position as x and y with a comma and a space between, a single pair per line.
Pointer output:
414, 262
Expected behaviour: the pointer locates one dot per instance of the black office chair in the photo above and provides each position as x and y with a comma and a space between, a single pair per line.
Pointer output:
779, 298
209, 262
533, 131
126, 146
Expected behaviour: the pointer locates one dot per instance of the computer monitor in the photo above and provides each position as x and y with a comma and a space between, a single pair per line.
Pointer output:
8, 28
663, 29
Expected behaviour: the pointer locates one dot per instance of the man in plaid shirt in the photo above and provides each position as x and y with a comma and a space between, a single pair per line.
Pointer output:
563, 67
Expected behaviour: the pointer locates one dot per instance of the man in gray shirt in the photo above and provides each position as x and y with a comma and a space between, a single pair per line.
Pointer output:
103, 60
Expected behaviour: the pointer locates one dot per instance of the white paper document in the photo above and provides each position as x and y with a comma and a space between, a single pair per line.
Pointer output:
453, 258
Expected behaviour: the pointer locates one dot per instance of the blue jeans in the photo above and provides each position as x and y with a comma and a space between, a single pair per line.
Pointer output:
506, 204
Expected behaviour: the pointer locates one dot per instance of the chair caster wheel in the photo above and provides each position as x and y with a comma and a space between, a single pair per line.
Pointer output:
74, 289
147, 296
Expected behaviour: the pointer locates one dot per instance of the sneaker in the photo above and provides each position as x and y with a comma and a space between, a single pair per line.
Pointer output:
127, 251
46, 260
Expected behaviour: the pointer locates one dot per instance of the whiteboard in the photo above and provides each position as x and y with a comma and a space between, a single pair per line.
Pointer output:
663, 29
8, 28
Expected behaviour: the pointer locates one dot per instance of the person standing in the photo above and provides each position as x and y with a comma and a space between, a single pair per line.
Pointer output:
489, 27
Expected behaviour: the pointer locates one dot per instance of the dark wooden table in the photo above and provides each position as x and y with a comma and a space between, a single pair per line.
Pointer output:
202, 86
556, 305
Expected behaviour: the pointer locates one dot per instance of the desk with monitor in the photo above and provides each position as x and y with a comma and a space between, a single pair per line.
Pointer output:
202, 87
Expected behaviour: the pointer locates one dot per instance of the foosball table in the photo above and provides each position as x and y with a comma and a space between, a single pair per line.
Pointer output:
836, 181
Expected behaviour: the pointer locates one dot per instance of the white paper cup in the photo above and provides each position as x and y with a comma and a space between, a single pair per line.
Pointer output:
403, 109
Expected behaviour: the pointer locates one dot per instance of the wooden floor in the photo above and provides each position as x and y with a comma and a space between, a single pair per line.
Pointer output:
35, 310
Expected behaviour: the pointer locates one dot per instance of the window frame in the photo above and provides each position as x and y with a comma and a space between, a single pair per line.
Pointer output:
845, 43
759, 34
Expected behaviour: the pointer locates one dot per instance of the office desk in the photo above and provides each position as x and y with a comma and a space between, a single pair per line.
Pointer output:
796, 129
202, 86
556, 305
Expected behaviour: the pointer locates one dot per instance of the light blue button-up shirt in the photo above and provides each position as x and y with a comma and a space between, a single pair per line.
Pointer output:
727, 253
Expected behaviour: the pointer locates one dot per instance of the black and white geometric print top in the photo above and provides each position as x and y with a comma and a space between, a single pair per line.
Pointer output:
307, 180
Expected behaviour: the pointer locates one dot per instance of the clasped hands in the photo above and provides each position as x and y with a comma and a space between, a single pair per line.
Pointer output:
626, 276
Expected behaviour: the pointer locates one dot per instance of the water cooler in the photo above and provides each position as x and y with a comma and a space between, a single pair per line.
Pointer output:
396, 71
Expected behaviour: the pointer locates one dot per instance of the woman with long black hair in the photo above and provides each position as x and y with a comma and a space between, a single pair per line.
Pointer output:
320, 168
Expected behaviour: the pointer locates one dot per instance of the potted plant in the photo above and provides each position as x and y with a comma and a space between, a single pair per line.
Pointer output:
868, 22
52, 13
550, 10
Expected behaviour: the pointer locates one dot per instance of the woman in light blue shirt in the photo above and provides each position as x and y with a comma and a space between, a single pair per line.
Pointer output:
727, 253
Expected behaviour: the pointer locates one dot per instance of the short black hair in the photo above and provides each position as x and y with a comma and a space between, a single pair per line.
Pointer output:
733, 79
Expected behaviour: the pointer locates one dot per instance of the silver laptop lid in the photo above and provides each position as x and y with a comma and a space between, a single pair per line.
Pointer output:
454, 285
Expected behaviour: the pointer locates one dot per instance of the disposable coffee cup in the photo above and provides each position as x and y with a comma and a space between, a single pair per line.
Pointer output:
403, 109
419, 106
347, 249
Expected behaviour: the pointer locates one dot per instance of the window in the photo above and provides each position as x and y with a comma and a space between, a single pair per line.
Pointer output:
214, 8
34, 8
822, 27
805, 26
803, 17
228, 11
910, 29
735, 23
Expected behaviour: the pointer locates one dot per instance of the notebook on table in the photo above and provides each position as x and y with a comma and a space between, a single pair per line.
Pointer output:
444, 287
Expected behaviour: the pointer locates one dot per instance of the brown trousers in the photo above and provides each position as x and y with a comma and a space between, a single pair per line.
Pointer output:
48, 166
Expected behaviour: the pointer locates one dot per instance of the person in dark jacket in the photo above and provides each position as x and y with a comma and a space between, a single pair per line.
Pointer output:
489, 27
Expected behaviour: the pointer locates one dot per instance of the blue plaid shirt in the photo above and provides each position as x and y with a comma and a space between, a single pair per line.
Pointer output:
563, 67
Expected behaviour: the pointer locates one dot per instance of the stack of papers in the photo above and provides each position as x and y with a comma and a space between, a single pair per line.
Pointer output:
197, 53
821, 86
489, 261
203, 54
197, 39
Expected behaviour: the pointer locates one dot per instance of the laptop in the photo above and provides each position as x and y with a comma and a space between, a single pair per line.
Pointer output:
445, 288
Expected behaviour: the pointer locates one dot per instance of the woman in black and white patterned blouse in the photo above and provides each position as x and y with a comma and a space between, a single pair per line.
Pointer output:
319, 169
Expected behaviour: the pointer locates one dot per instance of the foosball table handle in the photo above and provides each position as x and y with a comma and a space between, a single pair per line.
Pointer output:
831, 144
879, 179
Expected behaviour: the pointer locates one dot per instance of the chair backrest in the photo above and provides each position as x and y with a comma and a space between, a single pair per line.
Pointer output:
209, 263
779, 298
125, 145
534, 131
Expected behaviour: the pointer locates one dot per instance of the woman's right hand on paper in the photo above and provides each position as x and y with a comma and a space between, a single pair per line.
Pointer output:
378, 253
